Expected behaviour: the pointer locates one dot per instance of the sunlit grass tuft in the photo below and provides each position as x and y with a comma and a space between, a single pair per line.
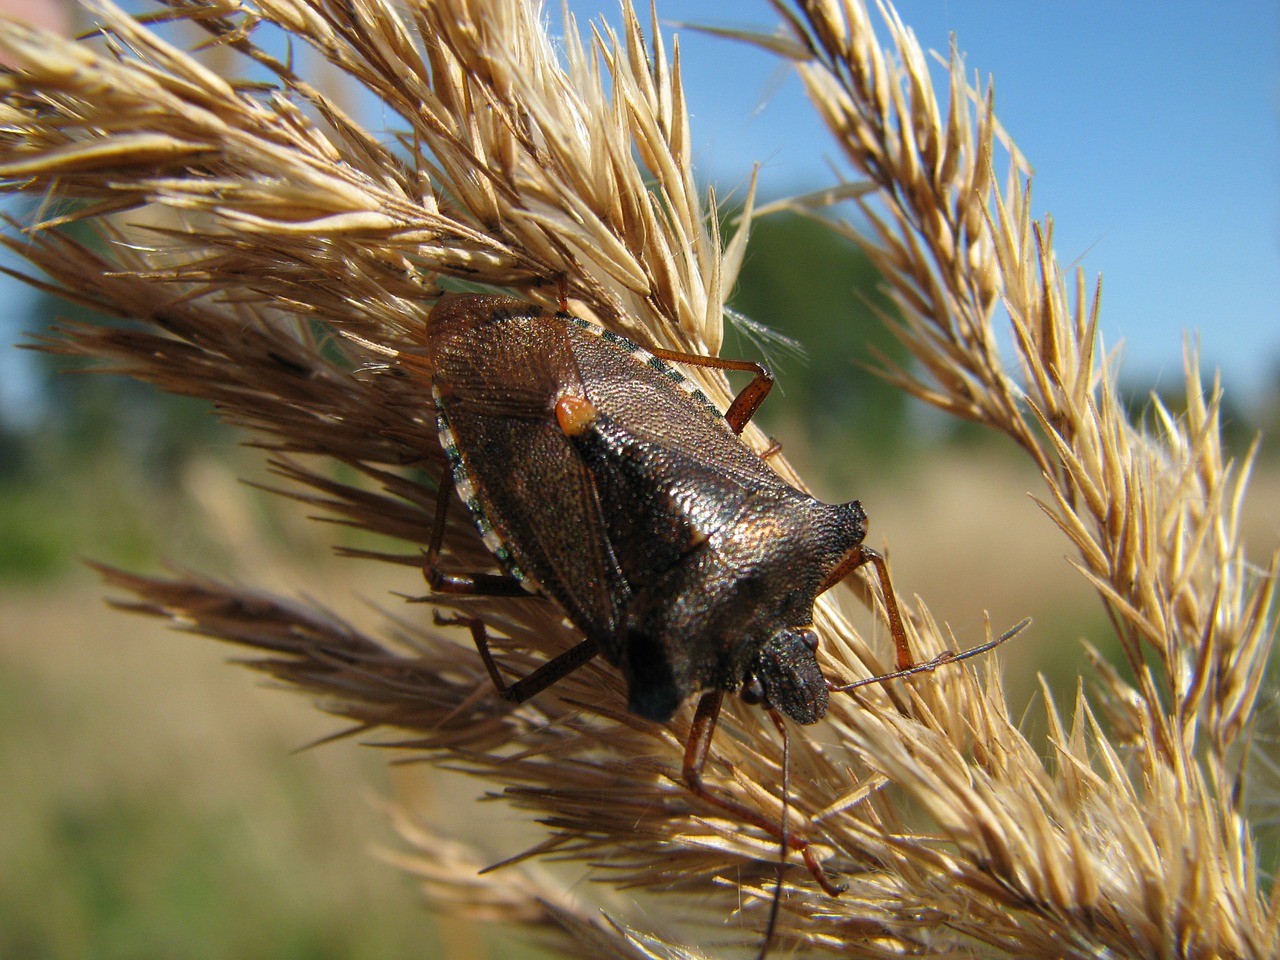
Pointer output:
247, 225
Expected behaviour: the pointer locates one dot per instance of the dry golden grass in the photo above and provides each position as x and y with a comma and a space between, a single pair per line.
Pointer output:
246, 223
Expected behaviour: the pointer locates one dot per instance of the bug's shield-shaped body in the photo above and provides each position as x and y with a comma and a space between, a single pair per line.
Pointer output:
602, 477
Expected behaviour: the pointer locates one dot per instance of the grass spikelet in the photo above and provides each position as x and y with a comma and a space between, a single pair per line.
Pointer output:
247, 225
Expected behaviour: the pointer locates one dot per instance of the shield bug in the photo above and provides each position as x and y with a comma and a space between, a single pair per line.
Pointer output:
602, 478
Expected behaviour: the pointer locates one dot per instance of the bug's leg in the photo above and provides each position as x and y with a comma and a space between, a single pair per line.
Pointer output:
776, 906
695, 757
481, 584
748, 400
547, 674
856, 559
491, 585
481, 638
551, 671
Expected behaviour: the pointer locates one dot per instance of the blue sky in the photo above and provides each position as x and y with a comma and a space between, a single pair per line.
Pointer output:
1152, 128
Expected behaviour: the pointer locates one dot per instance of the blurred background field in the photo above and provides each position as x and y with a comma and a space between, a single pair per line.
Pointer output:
155, 800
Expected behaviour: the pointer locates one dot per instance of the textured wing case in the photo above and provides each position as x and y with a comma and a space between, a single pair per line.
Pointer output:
498, 372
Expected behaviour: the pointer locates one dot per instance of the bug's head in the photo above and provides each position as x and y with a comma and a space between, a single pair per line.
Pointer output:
785, 675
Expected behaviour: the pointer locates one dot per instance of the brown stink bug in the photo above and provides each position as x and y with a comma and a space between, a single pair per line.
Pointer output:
602, 478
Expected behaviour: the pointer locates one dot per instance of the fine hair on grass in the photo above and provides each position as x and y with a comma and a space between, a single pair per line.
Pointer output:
273, 256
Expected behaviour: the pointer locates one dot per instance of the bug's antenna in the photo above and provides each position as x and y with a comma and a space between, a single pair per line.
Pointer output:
947, 656
776, 906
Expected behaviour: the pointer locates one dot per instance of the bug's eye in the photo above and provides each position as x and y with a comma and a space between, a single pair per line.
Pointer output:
809, 637
752, 691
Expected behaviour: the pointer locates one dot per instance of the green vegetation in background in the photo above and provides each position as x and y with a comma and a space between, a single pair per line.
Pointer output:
805, 282
97, 470
99, 475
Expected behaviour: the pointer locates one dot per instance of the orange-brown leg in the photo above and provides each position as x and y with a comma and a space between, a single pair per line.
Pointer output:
851, 563
748, 400
695, 757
